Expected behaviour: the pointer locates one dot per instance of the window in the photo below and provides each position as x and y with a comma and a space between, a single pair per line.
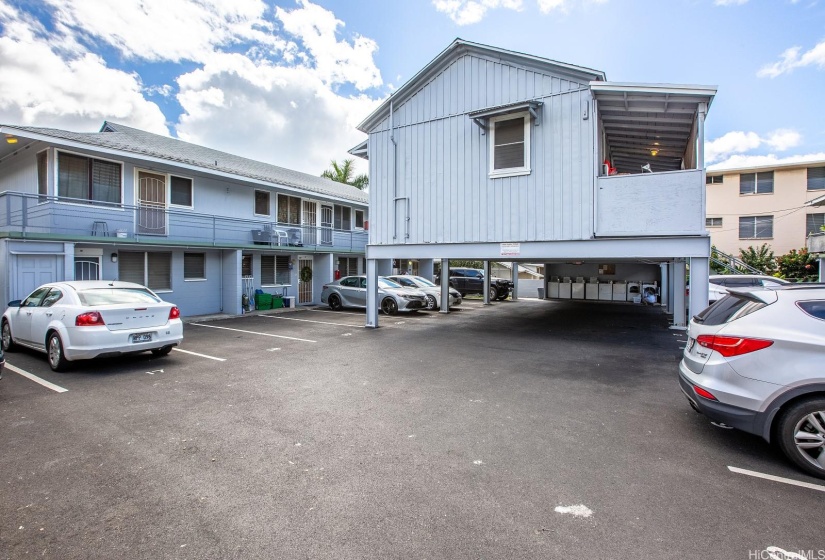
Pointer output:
289, 209
54, 296
275, 270
194, 266
348, 266
87, 268
814, 308
510, 145
43, 174
756, 227
714, 179
816, 178
814, 223
713, 222
342, 220
756, 183
35, 297
350, 282
89, 179
153, 270
262, 203
246, 266
359, 219
181, 191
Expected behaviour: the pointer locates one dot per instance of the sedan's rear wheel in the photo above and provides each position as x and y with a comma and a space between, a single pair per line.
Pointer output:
8, 341
54, 346
801, 434
389, 306
335, 303
432, 303
158, 352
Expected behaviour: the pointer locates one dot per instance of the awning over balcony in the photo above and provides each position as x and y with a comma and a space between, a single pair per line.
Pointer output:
649, 124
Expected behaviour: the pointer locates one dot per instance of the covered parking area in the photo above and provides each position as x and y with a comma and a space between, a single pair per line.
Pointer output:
667, 257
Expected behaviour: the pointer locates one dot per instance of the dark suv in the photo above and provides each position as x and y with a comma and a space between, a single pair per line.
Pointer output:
471, 281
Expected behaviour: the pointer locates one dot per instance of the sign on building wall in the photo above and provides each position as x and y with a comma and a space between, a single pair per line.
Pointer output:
510, 249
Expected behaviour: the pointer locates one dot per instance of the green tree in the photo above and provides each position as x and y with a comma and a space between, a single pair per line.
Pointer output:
344, 172
799, 265
760, 258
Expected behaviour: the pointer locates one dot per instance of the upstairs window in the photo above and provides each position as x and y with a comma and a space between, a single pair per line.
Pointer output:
262, 203
713, 222
289, 209
814, 223
816, 178
180, 191
342, 219
756, 183
88, 179
359, 219
714, 179
43, 174
756, 227
510, 145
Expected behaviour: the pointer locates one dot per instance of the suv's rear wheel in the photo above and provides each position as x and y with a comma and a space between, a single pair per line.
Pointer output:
801, 435
493, 293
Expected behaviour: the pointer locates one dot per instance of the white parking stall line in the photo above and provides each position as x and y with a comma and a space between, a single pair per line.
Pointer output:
790, 481
32, 377
311, 321
252, 332
200, 355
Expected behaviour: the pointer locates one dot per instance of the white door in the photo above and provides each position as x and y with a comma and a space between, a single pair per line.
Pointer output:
305, 287
151, 203
309, 222
33, 271
326, 225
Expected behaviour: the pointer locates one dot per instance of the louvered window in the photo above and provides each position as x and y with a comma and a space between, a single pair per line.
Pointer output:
756, 227
282, 270
814, 223
289, 209
343, 219
510, 145
89, 179
262, 203
275, 270
348, 266
816, 178
756, 183
194, 266
153, 270
267, 269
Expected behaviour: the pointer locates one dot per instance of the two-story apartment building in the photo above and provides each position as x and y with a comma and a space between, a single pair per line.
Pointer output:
199, 226
495, 155
767, 204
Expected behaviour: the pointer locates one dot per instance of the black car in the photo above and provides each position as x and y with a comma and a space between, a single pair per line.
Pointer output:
471, 281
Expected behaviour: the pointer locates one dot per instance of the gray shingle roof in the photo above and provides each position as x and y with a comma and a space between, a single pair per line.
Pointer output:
126, 139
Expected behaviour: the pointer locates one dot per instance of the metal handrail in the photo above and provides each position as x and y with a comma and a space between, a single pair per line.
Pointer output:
733, 264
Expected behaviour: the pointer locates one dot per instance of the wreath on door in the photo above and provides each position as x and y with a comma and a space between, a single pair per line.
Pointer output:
306, 274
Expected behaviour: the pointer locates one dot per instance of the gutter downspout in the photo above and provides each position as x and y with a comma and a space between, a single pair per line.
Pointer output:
394, 173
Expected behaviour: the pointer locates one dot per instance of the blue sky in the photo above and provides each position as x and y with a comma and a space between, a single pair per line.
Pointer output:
287, 81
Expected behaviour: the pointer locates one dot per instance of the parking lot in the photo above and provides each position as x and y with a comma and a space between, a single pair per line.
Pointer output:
527, 429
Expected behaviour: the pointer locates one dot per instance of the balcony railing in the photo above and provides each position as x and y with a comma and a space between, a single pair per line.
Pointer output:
33, 216
651, 204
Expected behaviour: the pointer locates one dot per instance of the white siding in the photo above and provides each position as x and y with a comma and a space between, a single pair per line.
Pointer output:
442, 162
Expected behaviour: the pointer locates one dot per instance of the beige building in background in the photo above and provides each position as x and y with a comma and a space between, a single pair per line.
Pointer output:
751, 206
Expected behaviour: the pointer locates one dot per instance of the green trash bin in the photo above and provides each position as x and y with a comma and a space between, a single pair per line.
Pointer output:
277, 302
263, 301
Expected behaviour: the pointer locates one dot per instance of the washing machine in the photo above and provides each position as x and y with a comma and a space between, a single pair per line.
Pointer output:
650, 293
634, 292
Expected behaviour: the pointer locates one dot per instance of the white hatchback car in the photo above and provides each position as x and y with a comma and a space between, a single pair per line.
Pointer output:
91, 319
755, 361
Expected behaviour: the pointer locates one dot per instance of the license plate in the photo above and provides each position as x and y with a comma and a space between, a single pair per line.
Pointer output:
142, 337
690, 344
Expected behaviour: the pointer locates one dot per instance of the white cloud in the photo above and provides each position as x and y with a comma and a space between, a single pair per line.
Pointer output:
743, 161
57, 84
547, 6
738, 142
794, 58
466, 12
730, 2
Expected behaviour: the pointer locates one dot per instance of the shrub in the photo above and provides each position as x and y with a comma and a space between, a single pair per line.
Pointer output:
798, 265
760, 258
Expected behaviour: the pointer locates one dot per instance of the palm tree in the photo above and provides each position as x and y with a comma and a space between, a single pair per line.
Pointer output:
343, 173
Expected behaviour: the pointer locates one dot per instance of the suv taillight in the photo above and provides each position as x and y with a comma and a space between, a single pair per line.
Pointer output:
174, 313
90, 319
730, 346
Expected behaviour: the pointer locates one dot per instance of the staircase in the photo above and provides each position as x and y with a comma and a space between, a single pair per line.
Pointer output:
731, 264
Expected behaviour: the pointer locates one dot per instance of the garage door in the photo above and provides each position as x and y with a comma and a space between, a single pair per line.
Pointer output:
32, 271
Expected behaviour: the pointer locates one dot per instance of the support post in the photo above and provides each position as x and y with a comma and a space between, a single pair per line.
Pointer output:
664, 286
515, 280
372, 293
699, 278
486, 282
445, 286
670, 291
425, 268
679, 307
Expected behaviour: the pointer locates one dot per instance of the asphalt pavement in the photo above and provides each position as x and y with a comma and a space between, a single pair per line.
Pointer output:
528, 429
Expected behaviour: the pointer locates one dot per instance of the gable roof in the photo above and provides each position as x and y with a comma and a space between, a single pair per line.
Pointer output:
459, 48
125, 139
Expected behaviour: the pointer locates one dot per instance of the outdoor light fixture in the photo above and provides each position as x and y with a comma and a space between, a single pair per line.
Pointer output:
10, 139
114, 257
654, 152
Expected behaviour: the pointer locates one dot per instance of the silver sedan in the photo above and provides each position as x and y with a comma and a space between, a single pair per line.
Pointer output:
432, 291
351, 291
88, 319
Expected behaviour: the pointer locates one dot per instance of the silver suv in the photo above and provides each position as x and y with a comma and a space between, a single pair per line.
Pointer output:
755, 361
